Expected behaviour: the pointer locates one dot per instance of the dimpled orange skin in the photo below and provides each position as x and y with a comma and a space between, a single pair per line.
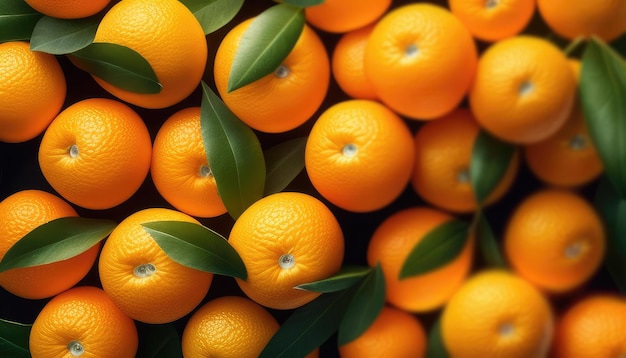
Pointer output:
347, 64
345, 15
22, 212
32, 88
68, 9
170, 293
163, 32
113, 153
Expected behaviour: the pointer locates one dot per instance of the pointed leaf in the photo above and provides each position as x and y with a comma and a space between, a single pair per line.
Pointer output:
435, 347
364, 307
62, 36
487, 242
213, 14
234, 154
14, 339
196, 246
490, 159
17, 20
56, 240
303, 3
119, 66
347, 277
438, 247
265, 44
158, 341
603, 94
284, 162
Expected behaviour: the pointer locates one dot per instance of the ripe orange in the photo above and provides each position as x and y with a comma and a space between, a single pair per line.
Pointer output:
139, 276
555, 240
286, 239
524, 89
594, 326
359, 155
282, 100
493, 20
348, 64
497, 314
394, 333
96, 153
32, 86
572, 19
421, 60
83, 321
390, 245
180, 170
163, 32
443, 154
20, 213
68, 9
345, 15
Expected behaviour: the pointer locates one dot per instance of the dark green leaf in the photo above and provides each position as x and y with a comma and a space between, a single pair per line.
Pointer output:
347, 277
198, 247
364, 307
603, 94
438, 247
119, 66
487, 242
213, 14
303, 3
14, 339
233, 152
17, 20
158, 341
61, 36
435, 347
491, 158
56, 240
265, 44
284, 162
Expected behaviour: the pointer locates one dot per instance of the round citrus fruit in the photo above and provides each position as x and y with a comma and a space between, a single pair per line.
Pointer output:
284, 99
142, 279
22, 212
390, 246
497, 314
421, 60
359, 155
96, 153
68, 9
33, 88
347, 63
345, 15
286, 239
180, 170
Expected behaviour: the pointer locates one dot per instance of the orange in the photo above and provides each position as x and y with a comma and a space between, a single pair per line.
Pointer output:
180, 170
443, 155
555, 239
22, 212
594, 326
348, 64
359, 155
493, 20
168, 36
284, 99
32, 87
567, 158
83, 321
286, 239
390, 245
497, 314
68, 9
394, 333
142, 280
572, 19
421, 60
345, 15
96, 153
524, 89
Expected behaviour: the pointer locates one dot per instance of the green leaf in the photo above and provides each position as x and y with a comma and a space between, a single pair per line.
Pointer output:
438, 247
17, 20
487, 242
196, 246
364, 307
213, 14
265, 44
435, 347
119, 66
56, 240
347, 277
284, 162
603, 93
303, 3
62, 36
158, 341
490, 159
234, 154
14, 339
